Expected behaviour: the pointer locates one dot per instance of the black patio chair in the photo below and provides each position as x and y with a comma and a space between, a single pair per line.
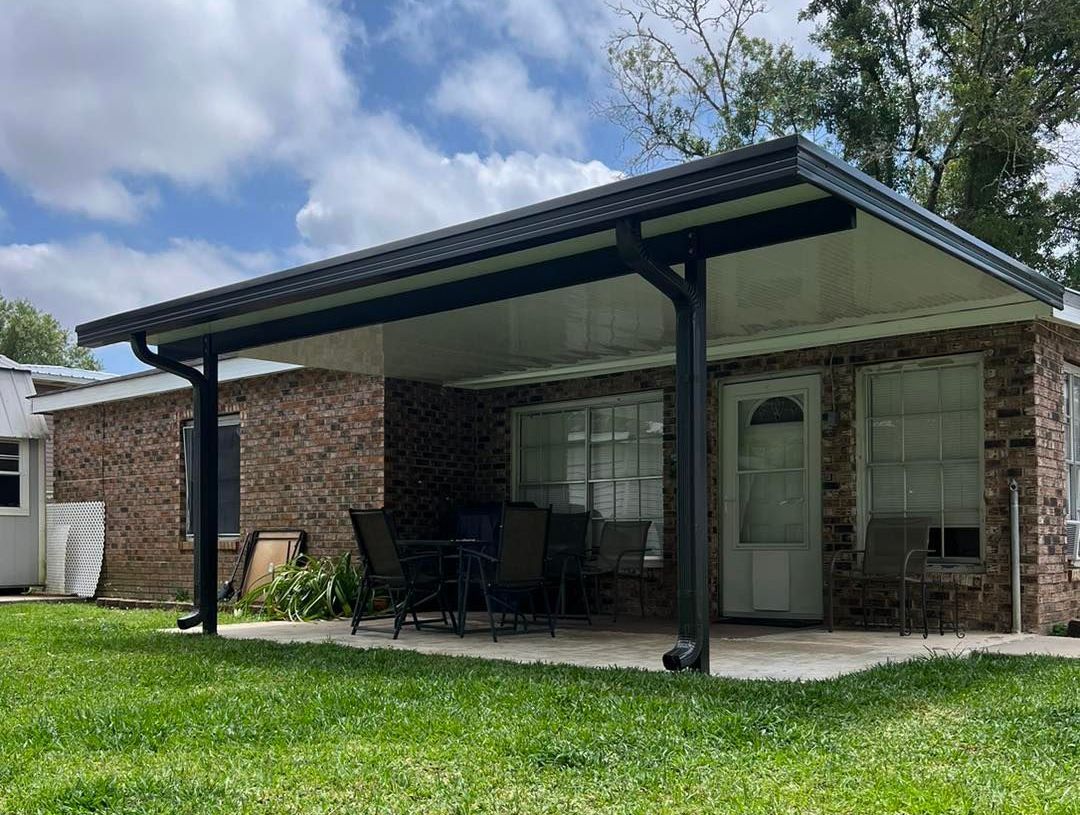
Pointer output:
621, 553
410, 579
568, 545
516, 572
895, 554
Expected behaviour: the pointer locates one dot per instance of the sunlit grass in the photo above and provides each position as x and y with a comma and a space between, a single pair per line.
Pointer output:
101, 713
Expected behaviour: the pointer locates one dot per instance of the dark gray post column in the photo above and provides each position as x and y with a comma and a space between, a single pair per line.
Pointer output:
692, 522
687, 294
205, 504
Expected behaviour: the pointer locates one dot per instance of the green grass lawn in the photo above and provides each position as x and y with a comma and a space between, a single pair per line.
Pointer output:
99, 713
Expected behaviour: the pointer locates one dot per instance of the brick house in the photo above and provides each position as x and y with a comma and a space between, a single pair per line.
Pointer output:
839, 353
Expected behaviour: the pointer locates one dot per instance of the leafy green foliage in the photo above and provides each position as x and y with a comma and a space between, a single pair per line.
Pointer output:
102, 713
315, 590
964, 105
30, 336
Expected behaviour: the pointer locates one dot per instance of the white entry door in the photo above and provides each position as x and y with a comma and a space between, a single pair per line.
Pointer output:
771, 498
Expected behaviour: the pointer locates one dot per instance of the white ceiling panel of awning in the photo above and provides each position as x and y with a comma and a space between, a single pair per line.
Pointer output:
874, 278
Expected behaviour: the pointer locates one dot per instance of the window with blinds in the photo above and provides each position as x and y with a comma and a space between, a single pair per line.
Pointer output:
605, 457
923, 451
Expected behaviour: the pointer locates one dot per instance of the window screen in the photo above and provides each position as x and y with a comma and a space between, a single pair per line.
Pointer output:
603, 457
11, 473
228, 476
924, 452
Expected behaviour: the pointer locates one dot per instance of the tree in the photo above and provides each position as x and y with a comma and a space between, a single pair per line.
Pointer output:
961, 104
30, 336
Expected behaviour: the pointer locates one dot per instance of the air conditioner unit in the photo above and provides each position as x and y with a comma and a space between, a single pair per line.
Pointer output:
1072, 539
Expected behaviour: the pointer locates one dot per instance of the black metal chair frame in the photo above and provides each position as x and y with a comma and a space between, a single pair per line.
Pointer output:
905, 576
401, 588
497, 592
570, 561
616, 572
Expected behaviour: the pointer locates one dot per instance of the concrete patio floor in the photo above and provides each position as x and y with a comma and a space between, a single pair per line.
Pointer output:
738, 651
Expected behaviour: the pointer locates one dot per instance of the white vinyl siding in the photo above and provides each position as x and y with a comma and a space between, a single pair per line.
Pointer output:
228, 475
602, 456
922, 443
14, 477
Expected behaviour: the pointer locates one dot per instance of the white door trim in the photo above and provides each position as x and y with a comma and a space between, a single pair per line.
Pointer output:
729, 395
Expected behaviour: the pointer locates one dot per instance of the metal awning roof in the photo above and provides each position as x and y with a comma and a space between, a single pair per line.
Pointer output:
530, 251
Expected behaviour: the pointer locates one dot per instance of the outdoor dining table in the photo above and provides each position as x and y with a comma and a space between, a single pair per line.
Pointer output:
450, 549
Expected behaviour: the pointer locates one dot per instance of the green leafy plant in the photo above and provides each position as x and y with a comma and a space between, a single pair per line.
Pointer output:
319, 589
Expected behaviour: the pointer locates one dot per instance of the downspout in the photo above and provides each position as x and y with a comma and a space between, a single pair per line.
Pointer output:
1014, 553
687, 294
204, 385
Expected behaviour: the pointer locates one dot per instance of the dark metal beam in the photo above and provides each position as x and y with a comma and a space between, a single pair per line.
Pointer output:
687, 294
204, 386
799, 221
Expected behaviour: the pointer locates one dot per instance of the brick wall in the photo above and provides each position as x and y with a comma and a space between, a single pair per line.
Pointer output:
1052, 576
1011, 411
311, 446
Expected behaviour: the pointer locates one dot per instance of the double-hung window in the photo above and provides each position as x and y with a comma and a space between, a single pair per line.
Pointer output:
14, 477
604, 456
228, 475
1072, 459
922, 442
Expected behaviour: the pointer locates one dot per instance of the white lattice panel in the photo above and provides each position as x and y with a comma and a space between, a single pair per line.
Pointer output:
56, 542
85, 544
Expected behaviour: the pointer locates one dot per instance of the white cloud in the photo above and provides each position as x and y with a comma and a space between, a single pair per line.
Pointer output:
91, 277
393, 184
495, 93
98, 101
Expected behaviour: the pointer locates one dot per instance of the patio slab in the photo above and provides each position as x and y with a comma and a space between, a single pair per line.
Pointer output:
738, 651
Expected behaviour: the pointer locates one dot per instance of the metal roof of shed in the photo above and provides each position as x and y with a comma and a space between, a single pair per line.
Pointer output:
16, 419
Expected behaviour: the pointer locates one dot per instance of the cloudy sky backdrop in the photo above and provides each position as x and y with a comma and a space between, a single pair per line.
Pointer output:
152, 149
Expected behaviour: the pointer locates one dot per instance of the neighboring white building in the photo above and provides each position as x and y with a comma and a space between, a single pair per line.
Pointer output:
26, 466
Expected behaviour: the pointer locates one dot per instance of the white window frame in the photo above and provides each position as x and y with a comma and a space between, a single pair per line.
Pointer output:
1071, 380
862, 415
582, 404
224, 420
23, 509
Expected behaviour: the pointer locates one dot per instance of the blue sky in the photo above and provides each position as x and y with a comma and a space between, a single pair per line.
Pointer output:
152, 149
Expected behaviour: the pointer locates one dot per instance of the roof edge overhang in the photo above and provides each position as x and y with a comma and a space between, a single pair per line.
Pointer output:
736, 174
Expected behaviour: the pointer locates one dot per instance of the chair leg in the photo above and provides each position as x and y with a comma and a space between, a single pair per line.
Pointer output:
463, 595
865, 614
402, 611
614, 596
487, 603
903, 607
829, 605
925, 623
547, 608
358, 607
585, 596
641, 592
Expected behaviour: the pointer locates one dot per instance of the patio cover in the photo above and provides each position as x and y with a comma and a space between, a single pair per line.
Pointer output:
774, 246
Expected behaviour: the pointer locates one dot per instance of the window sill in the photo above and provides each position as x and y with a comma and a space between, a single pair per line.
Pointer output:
14, 512
654, 562
226, 543
956, 568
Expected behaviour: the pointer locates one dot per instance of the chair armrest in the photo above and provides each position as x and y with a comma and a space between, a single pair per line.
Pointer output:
907, 561
846, 554
477, 553
624, 553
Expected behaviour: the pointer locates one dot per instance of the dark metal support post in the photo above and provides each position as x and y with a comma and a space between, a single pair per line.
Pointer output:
205, 505
204, 385
691, 384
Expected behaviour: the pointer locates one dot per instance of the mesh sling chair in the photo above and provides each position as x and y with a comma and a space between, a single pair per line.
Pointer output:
568, 544
409, 580
621, 553
516, 572
263, 550
895, 555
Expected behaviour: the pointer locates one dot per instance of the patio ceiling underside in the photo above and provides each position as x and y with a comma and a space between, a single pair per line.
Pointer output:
873, 280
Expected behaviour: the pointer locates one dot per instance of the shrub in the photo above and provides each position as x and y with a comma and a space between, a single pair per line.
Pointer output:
320, 589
